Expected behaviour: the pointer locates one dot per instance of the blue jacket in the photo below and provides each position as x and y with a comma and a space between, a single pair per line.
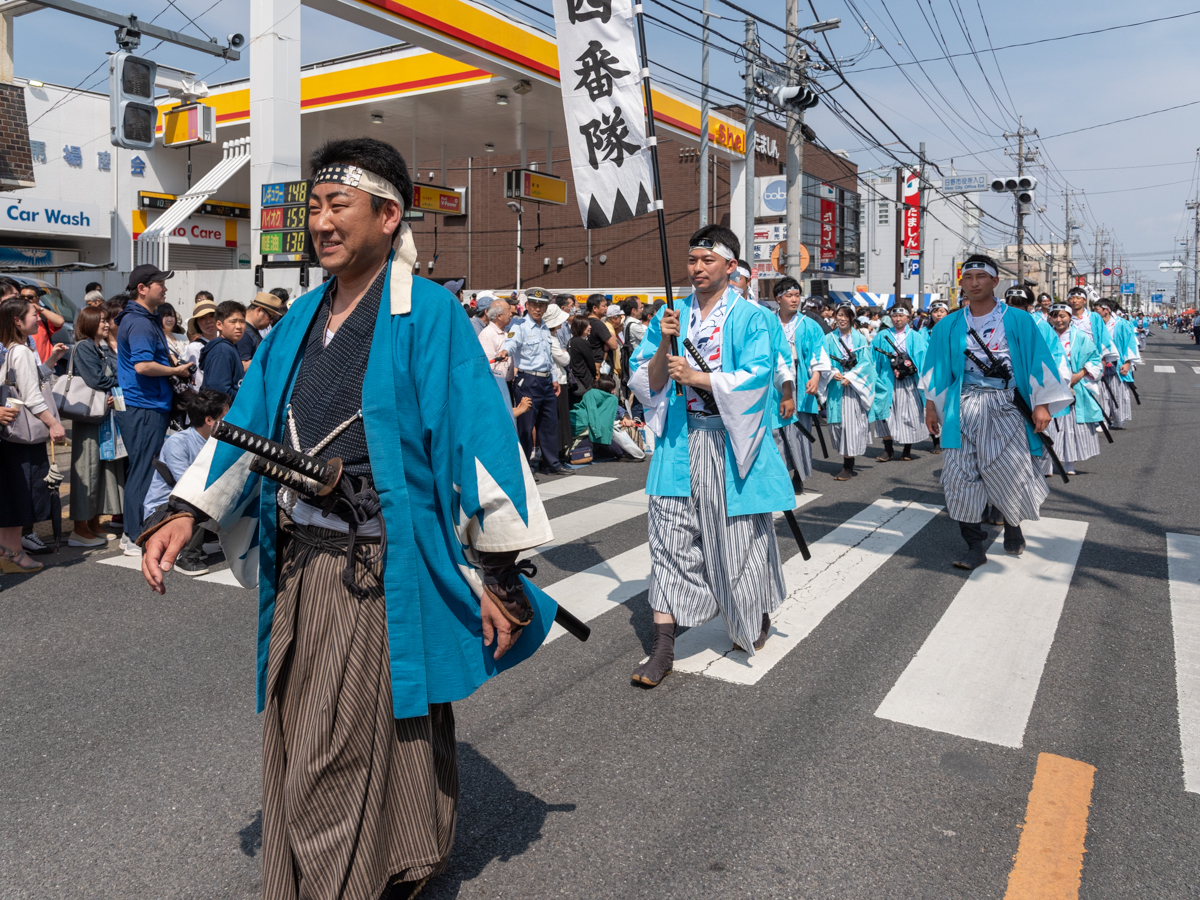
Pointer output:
222, 366
861, 377
450, 475
885, 378
140, 338
756, 480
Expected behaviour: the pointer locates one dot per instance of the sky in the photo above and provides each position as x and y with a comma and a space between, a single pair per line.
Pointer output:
1130, 181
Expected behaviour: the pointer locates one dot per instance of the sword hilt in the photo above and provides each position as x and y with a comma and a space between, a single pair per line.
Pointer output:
325, 473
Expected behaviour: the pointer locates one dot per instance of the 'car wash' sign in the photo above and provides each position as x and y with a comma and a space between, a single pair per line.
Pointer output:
37, 216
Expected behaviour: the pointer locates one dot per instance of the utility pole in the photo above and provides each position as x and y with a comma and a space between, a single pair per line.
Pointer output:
704, 127
1194, 205
751, 50
921, 230
1021, 133
898, 222
1067, 252
1096, 261
797, 57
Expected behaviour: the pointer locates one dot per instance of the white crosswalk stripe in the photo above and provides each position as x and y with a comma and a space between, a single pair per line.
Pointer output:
977, 673
573, 527
1169, 370
562, 487
841, 562
1183, 565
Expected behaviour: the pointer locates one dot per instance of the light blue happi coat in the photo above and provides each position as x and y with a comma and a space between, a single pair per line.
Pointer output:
756, 480
450, 475
1124, 341
861, 377
1084, 355
811, 356
885, 378
785, 372
1039, 375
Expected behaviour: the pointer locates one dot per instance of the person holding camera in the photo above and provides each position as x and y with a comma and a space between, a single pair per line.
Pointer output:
144, 368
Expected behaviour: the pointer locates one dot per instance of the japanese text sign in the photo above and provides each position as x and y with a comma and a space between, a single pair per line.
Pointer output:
602, 99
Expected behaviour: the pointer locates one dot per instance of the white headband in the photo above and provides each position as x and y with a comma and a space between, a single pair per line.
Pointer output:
745, 273
719, 249
978, 266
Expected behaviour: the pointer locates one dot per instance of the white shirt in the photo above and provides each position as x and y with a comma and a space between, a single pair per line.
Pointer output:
991, 329
706, 335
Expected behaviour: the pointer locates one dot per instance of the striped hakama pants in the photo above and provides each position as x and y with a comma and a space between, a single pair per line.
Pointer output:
794, 446
851, 435
1122, 411
353, 798
1073, 441
906, 422
702, 562
993, 465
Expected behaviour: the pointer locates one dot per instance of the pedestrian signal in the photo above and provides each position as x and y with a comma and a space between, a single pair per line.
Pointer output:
132, 113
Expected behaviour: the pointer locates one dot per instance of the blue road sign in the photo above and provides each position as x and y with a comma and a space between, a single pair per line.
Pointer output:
1128, 287
963, 184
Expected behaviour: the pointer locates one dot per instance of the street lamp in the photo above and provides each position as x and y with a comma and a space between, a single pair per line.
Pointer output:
518, 209
826, 25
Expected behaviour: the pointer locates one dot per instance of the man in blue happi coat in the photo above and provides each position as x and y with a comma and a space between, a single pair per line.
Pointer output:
379, 608
978, 358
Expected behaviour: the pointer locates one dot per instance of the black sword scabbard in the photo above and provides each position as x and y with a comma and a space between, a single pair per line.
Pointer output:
325, 473
710, 402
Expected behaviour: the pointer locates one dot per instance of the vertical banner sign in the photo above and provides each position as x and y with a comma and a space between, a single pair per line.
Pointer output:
606, 119
912, 213
828, 228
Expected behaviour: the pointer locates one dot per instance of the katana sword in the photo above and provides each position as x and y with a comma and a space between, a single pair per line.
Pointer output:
313, 476
995, 368
787, 514
710, 402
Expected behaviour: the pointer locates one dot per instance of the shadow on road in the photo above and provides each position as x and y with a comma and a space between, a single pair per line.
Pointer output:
497, 821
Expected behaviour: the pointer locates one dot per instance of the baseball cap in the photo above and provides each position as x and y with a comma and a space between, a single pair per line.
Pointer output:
146, 274
614, 311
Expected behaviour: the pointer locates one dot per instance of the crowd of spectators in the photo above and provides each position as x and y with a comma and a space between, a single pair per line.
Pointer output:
160, 386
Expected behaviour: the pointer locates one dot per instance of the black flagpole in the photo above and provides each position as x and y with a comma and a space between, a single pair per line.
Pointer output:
653, 141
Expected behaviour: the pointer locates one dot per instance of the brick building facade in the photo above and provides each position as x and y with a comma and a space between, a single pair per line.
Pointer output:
632, 257
16, 161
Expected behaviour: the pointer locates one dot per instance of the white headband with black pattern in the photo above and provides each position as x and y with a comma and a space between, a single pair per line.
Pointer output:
980, 266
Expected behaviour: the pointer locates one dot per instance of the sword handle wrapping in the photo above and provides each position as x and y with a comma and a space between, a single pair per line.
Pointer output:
324, 472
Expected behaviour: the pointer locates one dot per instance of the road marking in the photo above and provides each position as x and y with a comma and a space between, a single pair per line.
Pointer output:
122, 562
1169, 370
1183, 569
1196, 369
577, 525
841, 562
223, 576
1049, 860
572, 485
610, 583
977, 673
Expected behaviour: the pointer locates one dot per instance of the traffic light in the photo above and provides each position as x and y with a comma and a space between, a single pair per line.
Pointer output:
1020, 186
795, 97
132, 113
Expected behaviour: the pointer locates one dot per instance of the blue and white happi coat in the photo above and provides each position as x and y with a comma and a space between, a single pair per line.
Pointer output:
450, 476
756, 480
807, 342
915, 343
1039, 374
861, 377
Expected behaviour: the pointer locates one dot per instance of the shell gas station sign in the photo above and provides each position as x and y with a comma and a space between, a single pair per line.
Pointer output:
436, 199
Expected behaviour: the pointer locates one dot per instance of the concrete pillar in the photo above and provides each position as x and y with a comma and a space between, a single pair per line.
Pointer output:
737, 199
274, 101
549, 152
6, 48
524, 149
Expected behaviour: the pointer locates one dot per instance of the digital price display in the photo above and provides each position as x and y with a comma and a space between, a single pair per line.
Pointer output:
284, 221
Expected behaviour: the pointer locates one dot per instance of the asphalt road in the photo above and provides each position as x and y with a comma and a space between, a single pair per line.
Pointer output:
132, 753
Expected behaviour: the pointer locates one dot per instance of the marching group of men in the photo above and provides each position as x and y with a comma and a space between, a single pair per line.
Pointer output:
389, 585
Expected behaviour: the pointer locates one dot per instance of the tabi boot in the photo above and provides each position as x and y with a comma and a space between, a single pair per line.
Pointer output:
888, 447
974, 535
906, 454
847, 469
662, 657
937, 446
1014, 540
992, 515
761, 640
797, 483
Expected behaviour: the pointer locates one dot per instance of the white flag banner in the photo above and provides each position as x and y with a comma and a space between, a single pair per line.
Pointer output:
606, 118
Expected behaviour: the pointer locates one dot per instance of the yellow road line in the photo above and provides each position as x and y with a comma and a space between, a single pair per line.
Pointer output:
1049, 858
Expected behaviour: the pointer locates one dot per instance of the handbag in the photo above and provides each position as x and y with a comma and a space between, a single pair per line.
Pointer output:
26, 428
111, 445
75, 400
